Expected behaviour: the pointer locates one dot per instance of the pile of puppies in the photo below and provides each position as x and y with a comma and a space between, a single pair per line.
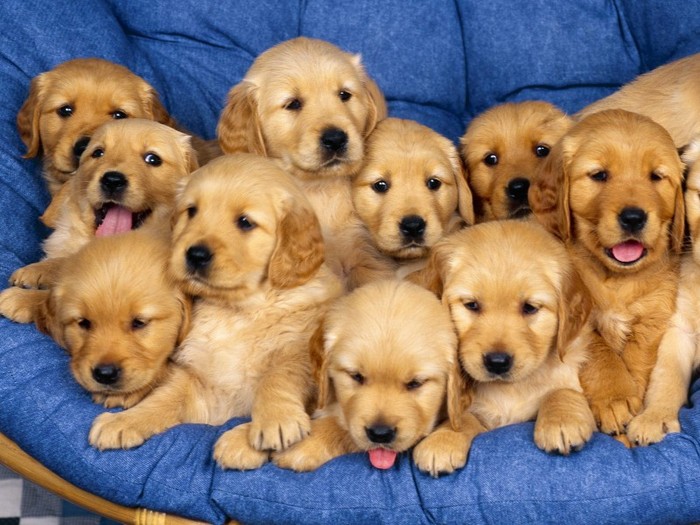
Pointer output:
351, 281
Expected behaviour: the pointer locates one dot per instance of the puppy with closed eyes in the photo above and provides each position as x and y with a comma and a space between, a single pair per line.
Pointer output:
118, 318
310, 106
503, 148
521, 315
247, 244
384, 360
411, 191
127, 178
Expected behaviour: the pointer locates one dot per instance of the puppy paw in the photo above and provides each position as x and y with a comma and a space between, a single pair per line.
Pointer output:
118, 400
615, 327
613, 415
233, 451
120, 430
442, 452
37, 276
651, 426
20, 305
279, 430
564, 433
304, 456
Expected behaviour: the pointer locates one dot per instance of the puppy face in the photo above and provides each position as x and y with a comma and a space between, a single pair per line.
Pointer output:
409, 188
306, 102
241, 223
387, 358
118, 318
503, 148
620, 196
129, 173
66, 104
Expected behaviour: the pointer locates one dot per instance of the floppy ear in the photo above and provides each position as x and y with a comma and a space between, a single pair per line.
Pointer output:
239, 125
375, 98
458, 395
299, 251
186, 316
154, 107
431, 276
465, 199
678, 224
58, 201
549, 194
575, 305
188, 151
28, 116
46, 319
320, 347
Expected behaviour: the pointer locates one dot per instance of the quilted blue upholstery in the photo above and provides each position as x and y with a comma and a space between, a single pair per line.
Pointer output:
439, 62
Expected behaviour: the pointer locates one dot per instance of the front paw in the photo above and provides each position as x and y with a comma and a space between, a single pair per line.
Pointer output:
233, 451
651, 426
564, 432
20, 305
120, 430
37, 276
612, 415
279, 429
119, 400
442, 452
304, 456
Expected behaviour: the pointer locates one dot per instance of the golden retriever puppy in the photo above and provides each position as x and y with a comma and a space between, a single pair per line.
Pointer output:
118, 317
521, 315
679, 350
310, 105
503, 148
247, 244
385, 358
411, 190
669, 95
619, 207
127, 177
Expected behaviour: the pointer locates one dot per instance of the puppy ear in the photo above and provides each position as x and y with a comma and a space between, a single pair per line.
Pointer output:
549, 194
28, 116
188, 151
465, 199
299, 251
47, 320
239, 125
58, 201
458, 396
375, 98
678, 224
431, 276
186, 316
575, 305
319, 366
154, 107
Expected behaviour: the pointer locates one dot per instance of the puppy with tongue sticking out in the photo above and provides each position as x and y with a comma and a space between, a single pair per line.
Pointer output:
127, 178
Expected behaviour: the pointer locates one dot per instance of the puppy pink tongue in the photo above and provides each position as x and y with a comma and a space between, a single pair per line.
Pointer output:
117, 220
382, 458
628, 251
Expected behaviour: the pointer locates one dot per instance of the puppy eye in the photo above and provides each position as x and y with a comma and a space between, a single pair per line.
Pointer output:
541, 150
293, 105
244, 223
97, 153
65, 111
655, 177
191, 211
358, 378
600, 176
119, 114
414, 384
137, 323
345, 95
152, 159
473, 306
529, 309
433, 183
381, 186
491, 159
85, 324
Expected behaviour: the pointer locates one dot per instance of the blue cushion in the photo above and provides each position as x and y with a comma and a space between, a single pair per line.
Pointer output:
438, 62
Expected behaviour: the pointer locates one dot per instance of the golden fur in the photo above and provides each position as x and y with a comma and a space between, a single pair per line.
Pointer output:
384, 359
148, 160
119, 318
411, 190
521, 315
502, 150
608, 164
295, 97
247, 244
669, 95
679, 350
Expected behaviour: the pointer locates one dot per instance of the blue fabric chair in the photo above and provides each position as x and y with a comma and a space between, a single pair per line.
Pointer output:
439, 62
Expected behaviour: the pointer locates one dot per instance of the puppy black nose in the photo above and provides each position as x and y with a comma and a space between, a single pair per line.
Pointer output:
106, 374
113, 183
80, 146
334, 139
198, 257
632, 219
498, 362
412, 226
380, 433
517, 189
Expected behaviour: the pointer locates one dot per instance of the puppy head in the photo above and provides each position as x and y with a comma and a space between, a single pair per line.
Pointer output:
513, 296
619, 191
128, 175
241, 224
66, 104
388, 355
119, 319
503, 148
306, 102
409, 188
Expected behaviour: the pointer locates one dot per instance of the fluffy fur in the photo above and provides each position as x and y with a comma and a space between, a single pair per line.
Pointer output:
411, 190
118, 318
310, 106
127, 178
247, 244
385, 359
503, 148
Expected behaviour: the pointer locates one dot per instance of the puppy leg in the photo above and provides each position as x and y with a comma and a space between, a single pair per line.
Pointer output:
22, 306
327, 440
38, 275
234, 451
445, 450
564, 422
668, 389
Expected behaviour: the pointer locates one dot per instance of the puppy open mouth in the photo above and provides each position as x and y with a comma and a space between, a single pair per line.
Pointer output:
382, 458
627, 253
111, 218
